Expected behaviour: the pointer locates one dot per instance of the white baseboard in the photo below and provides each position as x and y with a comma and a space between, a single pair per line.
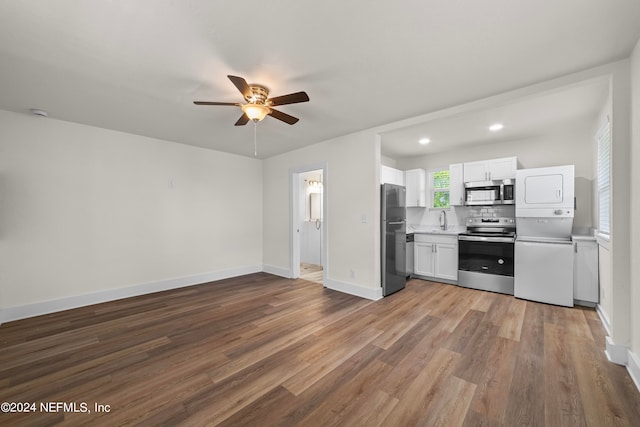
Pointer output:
616, 353
9, 314
633, 366
347, 288
278, 271
45, 307
352, 289
604, 319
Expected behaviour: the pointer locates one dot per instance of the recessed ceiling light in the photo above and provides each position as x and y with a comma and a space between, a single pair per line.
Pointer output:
424, 141
496, 127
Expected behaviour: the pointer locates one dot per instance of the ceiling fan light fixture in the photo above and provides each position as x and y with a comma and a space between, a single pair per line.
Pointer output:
255, 112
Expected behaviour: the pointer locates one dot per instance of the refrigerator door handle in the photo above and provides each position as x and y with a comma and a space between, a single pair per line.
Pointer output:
396, 223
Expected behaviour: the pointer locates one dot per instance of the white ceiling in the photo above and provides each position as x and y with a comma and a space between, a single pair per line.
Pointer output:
136, 66
536, 115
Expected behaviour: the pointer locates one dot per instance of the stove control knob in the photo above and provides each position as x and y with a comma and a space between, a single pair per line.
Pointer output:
500, 261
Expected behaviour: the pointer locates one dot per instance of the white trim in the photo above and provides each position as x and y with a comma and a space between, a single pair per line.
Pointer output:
278, 271
604, 319
616, 353
603, 240
353, 289
294, 235
633, 367
51, 306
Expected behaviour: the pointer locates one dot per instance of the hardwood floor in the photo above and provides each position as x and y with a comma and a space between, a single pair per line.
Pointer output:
311, 272
265, 351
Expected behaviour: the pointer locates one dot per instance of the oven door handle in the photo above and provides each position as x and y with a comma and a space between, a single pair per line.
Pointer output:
487, 239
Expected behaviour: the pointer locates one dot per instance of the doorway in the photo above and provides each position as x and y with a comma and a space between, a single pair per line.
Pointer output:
308, 198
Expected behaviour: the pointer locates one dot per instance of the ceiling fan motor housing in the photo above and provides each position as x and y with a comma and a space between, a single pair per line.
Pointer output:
259, 94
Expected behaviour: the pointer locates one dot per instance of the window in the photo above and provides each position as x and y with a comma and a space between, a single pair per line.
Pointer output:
439, 189
603, 139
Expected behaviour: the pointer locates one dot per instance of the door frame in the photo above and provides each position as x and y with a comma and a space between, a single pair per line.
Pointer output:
294, 218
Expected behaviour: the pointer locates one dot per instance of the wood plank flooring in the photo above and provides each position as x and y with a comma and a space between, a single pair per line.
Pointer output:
265, 351
311, 272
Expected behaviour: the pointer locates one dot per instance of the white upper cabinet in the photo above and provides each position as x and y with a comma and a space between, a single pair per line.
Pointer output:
488, 170
503, 168
390, 175
416, 182
456, 184
475, 171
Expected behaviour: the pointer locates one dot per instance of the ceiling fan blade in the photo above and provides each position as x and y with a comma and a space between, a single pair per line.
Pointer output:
243, 120
242, 86
217, 103
283, 117
292, 98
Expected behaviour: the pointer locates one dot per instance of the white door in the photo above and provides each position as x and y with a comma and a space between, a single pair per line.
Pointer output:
475, 171
446, 261
456, 184
543, 189
544, 272
503, 168
424, 259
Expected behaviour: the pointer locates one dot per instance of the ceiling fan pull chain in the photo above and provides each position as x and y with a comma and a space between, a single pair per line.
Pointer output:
255, 142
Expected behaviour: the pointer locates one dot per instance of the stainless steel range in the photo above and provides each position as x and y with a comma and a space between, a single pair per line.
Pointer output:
486, 254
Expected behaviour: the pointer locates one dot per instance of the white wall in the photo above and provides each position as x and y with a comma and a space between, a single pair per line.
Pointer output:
620, 316
570, 144
88, 211
353, 165
605, 305
635, 208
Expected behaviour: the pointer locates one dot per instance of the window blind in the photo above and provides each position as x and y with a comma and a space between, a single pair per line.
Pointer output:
603, 139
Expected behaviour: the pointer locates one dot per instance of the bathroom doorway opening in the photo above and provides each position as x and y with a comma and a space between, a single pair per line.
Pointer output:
309, 223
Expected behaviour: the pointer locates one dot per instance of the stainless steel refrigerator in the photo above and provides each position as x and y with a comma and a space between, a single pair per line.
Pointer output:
393, 237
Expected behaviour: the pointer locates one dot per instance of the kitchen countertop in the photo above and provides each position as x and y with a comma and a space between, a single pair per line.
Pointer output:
452, 230
583, 237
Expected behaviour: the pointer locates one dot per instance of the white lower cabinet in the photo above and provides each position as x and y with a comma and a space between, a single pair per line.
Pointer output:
585, 272
436, 257
424, 256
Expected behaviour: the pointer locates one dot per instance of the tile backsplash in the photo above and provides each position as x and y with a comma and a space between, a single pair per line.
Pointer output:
457, 215
489, 211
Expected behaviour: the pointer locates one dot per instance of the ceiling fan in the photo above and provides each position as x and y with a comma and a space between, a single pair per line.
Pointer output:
259, 105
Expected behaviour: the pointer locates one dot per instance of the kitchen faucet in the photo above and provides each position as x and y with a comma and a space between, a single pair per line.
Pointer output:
443, 220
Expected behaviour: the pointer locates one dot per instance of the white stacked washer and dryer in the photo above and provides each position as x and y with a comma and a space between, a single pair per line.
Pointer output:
543, 249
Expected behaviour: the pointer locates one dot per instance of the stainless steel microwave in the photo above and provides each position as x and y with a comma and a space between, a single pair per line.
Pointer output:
500, 192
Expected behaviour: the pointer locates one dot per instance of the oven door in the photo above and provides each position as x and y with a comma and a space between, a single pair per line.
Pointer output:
489, 255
